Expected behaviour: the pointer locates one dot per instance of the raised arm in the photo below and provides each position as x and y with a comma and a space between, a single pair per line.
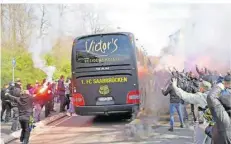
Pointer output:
169, 69
166, 92
12, 98
198, 71
191, 98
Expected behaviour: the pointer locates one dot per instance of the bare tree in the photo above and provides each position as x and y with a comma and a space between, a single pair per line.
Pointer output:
25, 22
17, 23
3, 23
44, 22
62, 10
92, 20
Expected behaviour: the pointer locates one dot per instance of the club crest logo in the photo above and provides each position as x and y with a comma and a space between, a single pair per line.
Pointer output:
104, 90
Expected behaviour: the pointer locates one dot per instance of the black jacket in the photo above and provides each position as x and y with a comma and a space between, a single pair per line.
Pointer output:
25, 106
3, 97
15, 92
173, 96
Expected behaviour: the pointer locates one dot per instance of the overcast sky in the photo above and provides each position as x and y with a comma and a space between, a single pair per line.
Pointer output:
206, 27
151, 23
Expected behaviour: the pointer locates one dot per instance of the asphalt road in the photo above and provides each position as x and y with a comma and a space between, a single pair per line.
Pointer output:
103, 130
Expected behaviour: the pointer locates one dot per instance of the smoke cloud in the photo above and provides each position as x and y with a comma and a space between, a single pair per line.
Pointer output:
204, 39
207, 40
39, 46
43, 39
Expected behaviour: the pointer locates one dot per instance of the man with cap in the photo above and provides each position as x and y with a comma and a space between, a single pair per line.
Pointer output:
219, 103
198, 99
227, 85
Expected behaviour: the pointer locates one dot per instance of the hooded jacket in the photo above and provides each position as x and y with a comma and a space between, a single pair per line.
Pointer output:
25, 106
220, 108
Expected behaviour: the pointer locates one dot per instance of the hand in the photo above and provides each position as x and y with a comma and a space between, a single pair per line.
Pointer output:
7, 90
221, 86
174, 81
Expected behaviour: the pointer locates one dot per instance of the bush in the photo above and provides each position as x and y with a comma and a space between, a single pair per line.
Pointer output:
24, 66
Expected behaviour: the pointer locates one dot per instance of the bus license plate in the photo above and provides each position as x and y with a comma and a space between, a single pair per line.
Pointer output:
103, 99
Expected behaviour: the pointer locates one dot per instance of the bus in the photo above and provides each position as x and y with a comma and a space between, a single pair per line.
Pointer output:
105, 74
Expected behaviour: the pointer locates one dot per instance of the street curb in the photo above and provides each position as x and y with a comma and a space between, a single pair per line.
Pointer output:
38, 125
50, 120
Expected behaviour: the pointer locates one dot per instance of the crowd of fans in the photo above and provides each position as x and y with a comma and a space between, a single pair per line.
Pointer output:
24, 106
209, 95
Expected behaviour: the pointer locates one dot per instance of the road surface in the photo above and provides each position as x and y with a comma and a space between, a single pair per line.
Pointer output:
104, 130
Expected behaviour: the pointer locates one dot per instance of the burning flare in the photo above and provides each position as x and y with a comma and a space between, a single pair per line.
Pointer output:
43, 89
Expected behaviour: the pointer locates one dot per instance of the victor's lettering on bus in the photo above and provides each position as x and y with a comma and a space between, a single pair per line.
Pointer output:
101, 47
105, 80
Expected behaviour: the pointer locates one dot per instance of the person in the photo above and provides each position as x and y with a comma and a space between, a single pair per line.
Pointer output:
6, 105
53, 93
175, 104
192, 88
227, 85
226, 91
47, 99
61, 93
201, 72
67, 92
71, 110
220, 107
38, 103
25, 106
15, 88
30, 88
198, 98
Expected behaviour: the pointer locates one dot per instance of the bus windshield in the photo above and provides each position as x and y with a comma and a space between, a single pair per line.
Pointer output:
106, 48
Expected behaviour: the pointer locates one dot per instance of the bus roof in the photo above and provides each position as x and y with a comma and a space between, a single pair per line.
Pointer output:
80, 37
